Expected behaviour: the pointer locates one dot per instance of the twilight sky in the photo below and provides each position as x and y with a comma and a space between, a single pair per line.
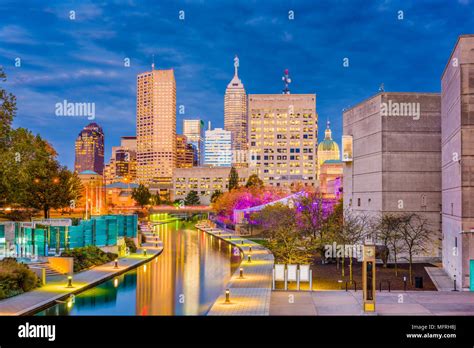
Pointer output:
82, 60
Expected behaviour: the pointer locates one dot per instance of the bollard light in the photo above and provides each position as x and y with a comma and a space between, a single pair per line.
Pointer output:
69, 282
242, 241
241, 272
249, 259
250, 249
227, 296
116, 263
144, 252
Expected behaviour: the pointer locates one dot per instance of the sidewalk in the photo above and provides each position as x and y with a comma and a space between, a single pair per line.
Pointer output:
251, 294
55, 288
387, 303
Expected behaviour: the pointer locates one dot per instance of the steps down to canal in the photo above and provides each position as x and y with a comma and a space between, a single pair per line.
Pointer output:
250, 293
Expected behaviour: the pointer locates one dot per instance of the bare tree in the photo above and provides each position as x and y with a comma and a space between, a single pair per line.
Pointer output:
415, 234
389, 233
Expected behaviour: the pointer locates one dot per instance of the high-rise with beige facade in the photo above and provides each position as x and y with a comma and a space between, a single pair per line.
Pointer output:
156, 126
283, 138
235, 117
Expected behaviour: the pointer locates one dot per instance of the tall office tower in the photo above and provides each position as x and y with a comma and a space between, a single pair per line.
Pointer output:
194, 132
156, 126
90, 149
457, 168
123, 162
184, 152
283, 138
218, 148
235, 117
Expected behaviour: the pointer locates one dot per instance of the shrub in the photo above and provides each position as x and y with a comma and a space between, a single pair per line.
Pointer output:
16, 278
130, 245
88, 256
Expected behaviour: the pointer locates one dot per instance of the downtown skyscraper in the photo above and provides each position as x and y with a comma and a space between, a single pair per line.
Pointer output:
156, 126
235, 117
194, 132
89, 149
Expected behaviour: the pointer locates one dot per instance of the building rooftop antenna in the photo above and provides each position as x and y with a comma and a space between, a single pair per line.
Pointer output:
152, 62
286, 79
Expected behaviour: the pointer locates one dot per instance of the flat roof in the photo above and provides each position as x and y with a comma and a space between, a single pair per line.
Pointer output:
380, 93
454, 48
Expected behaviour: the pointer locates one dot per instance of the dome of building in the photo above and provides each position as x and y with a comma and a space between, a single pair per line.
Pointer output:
328, 144
328, 149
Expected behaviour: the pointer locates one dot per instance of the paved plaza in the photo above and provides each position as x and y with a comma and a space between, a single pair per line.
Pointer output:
350, 303
249, 295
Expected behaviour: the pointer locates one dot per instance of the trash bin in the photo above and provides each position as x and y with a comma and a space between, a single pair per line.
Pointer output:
419, 282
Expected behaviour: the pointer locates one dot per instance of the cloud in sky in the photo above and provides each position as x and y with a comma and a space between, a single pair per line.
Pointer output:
83, 59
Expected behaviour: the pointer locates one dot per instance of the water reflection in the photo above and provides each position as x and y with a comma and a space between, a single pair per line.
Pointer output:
185, 279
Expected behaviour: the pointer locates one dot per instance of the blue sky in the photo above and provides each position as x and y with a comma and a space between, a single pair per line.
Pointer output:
82, 60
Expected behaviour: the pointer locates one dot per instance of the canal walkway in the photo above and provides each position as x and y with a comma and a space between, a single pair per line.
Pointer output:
56, 287
251, 293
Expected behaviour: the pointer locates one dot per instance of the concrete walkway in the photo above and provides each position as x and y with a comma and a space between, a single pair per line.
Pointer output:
251, 294
55, 288
440, 278
393, 303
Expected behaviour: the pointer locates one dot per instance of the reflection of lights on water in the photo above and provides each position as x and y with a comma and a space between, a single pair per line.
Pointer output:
69, 304
144, 269
116, 282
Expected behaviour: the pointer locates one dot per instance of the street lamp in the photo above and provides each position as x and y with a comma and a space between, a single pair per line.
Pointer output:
69, 282
227, 296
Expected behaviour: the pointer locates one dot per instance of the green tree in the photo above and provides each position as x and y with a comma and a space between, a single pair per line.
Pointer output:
141, 195
233, 179
254, 181
192, 198
279, 225
156, 199
215, 195
7, 111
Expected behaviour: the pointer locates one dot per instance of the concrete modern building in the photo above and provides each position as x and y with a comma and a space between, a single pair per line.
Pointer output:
283, 138
328, 148
457, 148
156, 126
396, 166
194, 132
218, 148
235, 116
184, 152
123, 162
204, 180
89, 149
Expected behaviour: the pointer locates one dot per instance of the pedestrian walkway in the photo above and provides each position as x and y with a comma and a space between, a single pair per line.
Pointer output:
387, 303
56, 287
440, 278
251, 293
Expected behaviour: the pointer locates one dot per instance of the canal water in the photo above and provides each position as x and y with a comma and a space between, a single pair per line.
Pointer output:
186, 279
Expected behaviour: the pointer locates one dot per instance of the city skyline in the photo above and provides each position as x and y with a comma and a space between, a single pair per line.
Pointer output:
86, 57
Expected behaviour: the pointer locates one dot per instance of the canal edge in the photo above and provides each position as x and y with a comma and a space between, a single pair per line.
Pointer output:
257, 277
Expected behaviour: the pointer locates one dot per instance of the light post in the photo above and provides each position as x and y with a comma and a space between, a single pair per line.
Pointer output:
69, 282
116, 264
241, 273
227, 296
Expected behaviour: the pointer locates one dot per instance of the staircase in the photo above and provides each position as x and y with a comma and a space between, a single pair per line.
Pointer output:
50, 272
152, 240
